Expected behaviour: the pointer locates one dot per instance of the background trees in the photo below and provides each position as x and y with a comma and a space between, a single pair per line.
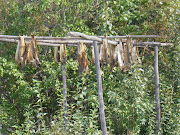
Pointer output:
31, 98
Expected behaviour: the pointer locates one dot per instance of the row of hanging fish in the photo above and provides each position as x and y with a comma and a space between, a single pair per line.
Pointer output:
60, 56
122, 55
27, 52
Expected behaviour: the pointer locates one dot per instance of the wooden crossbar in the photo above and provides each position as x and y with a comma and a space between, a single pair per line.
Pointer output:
148, 44
133, 36
78, 37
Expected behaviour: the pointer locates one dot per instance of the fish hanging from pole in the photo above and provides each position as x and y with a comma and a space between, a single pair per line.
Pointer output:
105, 57
25, 55
113, 59
130, 46
127, 53
32, 56
36, 50
93, 55
21, 52
56, 54
135, 55
138, 57
120, 55
60, 53
82, 58
100, 53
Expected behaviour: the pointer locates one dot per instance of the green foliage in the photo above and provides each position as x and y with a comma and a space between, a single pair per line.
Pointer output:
31, 98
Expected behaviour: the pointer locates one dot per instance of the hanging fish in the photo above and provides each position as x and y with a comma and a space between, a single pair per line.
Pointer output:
21, 52
138, 57
120, 55
93, 56
135, 55
130, 46
101, 50
82, 58
56, 54
62, 53
36, 52
105, 56
25, 56
127, 54
32, 55
114, 54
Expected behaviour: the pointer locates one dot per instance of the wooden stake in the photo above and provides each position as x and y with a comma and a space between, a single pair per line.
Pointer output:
100, 90
0, 128
157, 92
64, 96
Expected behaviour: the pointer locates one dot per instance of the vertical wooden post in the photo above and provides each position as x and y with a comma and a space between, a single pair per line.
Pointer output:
64, 96
157, 92
100, 90
0, 128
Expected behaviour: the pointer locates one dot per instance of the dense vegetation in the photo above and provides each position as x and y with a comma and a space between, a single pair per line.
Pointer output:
31, 98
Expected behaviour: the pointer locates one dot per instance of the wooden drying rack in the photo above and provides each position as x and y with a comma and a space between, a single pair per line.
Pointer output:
77, 37
74, 39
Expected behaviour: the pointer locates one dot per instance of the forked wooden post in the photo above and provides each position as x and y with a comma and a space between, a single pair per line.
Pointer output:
157, 92
64, 96
100, 90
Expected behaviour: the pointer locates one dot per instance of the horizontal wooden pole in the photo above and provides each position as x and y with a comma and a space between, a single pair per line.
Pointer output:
66, 41
73, 42
78, 34
111, 37
9, 40
133, 36
77, 37
145, 36
51, 44
39, 37
9, 36
57, 38
142, 44
148, 44
38, 43
167, 44
94, 38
